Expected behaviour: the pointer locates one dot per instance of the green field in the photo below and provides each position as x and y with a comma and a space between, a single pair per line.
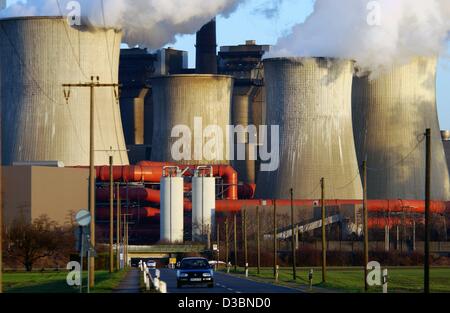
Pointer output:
401, 280
55, 282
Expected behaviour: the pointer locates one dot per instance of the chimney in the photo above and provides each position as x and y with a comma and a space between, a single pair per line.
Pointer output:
206, 62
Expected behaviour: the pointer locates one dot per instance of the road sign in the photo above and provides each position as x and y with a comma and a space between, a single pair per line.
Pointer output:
83, 218
215, 247
173, 261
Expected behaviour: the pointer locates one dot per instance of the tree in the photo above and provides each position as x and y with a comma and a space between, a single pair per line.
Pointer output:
28, 243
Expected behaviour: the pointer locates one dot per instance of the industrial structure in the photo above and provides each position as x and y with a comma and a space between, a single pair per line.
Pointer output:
41, 121
206, 54
310, 100
391, 113
446, 142
244, 63
43, 190
137, 66
176, 191
192, 102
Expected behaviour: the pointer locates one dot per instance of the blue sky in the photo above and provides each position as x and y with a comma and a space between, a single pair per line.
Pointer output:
249, 23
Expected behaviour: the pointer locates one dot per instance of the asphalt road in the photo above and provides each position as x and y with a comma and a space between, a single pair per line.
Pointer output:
223, 284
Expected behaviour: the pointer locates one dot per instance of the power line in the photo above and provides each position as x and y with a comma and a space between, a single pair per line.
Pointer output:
401, 160
111, 72
70, 42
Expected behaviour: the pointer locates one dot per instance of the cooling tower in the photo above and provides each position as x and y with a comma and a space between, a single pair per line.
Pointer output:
242, 115
391, 113
310, 100
37, 56
191, 104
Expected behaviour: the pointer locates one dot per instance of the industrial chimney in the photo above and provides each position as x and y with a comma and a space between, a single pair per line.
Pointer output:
206, 57
310, 100
391, 114
37, 56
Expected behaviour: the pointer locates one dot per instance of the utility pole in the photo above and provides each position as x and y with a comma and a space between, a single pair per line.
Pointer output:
118, 235
366, 225
294, 259
1, 219
92, 175
258, 240
235, 243
127, 240
427, 212
227, 251
111, 215
244, 223
275, 252
324, 234
218, 244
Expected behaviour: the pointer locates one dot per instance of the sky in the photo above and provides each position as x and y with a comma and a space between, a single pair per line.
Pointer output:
251, 21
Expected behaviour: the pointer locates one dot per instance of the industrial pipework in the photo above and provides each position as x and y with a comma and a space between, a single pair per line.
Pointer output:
152, 172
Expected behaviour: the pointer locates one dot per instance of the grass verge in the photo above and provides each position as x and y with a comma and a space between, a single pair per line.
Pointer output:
55, 282
351, 280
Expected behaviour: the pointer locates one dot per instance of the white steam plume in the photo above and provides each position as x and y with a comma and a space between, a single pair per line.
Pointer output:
149, 23
377, 34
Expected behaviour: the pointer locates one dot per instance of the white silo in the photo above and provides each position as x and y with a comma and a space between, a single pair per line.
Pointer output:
37, 56
391, 114
310, 100
172, 206
203, 204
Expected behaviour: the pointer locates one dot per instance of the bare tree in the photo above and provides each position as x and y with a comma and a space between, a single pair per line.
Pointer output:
28, 243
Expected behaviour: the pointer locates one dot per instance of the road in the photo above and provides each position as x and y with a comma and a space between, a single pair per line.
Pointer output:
224, 284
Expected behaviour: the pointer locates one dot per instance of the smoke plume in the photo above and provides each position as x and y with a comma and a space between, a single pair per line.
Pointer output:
377, 34
149, 23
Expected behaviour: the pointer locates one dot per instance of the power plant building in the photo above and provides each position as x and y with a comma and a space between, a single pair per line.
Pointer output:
243, 62
137, 67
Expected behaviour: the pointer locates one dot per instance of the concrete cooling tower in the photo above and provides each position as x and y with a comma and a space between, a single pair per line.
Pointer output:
391, 114
310, 99
242, 115
181, 100
37, 56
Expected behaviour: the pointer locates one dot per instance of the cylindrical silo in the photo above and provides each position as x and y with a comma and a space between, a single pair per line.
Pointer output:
203, 205
37, 56
246, 138
391, 114
190, 110
310, 100
172, 209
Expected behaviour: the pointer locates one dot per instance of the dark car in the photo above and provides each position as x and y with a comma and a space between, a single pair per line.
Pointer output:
195, 271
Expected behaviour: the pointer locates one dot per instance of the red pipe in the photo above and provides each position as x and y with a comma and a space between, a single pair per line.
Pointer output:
145, 212
379, 206
152, 172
